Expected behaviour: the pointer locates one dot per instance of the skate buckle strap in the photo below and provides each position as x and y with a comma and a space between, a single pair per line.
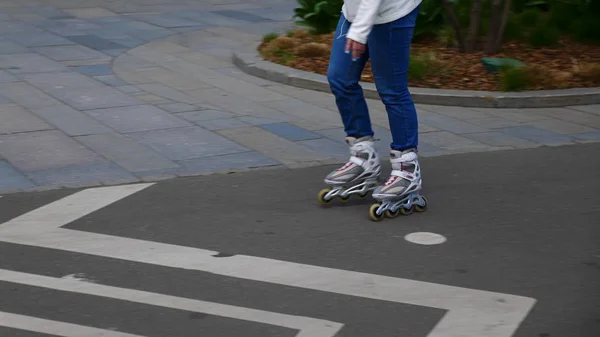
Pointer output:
403, 174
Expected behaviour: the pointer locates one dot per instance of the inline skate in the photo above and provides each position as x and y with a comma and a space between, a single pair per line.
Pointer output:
359, 176
400, 193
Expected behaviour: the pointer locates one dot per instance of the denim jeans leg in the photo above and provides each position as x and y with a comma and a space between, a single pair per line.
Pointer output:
344, 75
389, 49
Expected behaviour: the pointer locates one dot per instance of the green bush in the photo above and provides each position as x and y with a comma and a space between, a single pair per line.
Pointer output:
586, 30
530, 17
320, 16
513, 30
420, 66
544, 35
270, 37
514, 79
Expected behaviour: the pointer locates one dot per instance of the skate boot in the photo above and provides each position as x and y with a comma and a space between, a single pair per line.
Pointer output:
358, 176
400, 193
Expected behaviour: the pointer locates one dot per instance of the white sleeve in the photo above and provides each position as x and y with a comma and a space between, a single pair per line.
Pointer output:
363, 23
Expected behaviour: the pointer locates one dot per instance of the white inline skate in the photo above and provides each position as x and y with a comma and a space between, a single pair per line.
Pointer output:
400, 193
358, 176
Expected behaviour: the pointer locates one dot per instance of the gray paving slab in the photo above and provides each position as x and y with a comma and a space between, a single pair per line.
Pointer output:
15, 119
242, 16
111, 80
92, 12
71, 52
594, 108
60, 81
495, 138
307, 111
537, 135
449, 123
560, 126
178, 107
11, 179
95, 70
39, 39
71, 59
221, 124
327, 146
574, 116
236, 161
290, 132
7, 77
95, 42
82, 175
258, 120
205, 115
450, 141
129, 89
187, 143
29, 63
94, 98
126, 153
594, 135
26, 95
236, 104
8, 47
169, 93
270, 145
34, 151
70, 121
137, 118
168, 21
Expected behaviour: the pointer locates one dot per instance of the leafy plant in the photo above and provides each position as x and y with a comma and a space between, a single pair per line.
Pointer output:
420, 66
320, 16
544, 35
270, 37
514, 79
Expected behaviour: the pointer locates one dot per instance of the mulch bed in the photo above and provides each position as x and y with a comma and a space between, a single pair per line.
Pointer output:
466, 71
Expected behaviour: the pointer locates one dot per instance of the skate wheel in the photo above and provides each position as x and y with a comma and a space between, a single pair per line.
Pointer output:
321, 196
373, 213
420, 208
391, 214
362, 196
344, 199
406, 211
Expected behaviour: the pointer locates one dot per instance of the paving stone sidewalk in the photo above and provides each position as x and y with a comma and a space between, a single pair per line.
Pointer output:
95, 92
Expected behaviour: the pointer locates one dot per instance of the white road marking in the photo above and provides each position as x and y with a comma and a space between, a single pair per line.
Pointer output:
471, 312
77, 277
425, 238
55, 328
309, 327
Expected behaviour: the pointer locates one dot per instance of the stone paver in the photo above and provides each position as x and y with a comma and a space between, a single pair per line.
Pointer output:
104, 92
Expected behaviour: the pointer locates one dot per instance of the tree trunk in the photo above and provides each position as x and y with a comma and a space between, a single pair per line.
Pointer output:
474, 26
455, 24
505, 15
495, 26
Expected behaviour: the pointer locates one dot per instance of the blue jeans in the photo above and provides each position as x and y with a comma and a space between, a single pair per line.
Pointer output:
388, 48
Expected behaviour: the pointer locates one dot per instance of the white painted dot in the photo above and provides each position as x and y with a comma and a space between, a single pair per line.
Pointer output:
425, 238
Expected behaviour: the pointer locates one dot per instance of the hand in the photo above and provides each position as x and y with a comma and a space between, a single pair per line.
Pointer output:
355, 48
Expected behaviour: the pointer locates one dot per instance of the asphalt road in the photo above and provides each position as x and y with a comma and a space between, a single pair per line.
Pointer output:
522, 222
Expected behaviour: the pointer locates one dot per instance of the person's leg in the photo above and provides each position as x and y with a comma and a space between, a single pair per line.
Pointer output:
389, 48
361, 172
344, 75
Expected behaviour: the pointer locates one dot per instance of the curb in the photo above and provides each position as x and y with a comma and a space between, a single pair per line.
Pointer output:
250, 62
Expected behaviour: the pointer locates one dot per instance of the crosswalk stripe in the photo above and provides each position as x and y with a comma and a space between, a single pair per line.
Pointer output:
309, 327
55, 328
489, 313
